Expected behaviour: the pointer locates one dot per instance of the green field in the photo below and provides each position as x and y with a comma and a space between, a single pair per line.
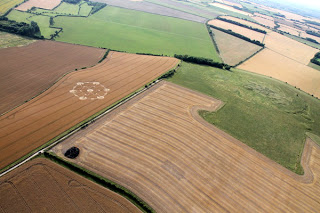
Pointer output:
12, 40
85, 9
42, 21
268, 115
133, 31
5, 5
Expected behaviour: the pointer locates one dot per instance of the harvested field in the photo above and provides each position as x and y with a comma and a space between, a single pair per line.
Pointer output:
230, 3
43, 186
45, 4
290, 30
189, 8
12, 40
253, 35
305, 35
75, 98
278, 66
248, 23
26, 71
5, 5
158, 147
265, 21
153, 8
289, 48
232, 49
232, 9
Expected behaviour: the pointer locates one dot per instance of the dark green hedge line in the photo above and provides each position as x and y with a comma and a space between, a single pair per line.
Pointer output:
312, 40
313, 33
312, 22
202, 61
242, 25
105, 56
101, 181
20, 28
238, 35
316, 59
72, 1
96, 6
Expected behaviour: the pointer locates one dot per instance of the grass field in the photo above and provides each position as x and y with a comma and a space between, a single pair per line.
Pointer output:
65, 8
42, 21
85, 9
279, 114
12, 40
134, 31
5, 5
314, 66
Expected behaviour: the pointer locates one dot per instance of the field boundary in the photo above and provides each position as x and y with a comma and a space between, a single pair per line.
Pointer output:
249, 57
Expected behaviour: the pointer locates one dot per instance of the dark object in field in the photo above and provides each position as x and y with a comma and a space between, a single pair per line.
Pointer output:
72, 153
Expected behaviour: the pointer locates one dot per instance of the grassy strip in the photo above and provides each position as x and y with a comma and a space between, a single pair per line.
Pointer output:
314, 66
314, 137
268, 115
101, 181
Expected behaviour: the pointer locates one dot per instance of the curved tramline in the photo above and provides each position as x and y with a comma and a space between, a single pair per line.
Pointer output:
158, 147
73, 99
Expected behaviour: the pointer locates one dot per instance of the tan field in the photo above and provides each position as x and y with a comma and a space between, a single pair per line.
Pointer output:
248, 23
74, 98
253, 35
158, 147
226, 7
290, 48
265, 21
232, 49
43, 186
305, 35
291, 30
45, 4
230, 3
278, 66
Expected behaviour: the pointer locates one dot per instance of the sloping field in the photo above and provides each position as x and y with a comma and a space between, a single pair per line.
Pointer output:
159, 148
12, 40
26, 71
253, 35
248, 23
289, 48
43, 186
45, 4
278, 66
189, 8
265, 21
232, 49
291, 30
75, 98
138, 32
153, 8
5, 5
232, 9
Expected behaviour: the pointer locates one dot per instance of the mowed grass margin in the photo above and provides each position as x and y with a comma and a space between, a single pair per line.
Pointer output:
270, 116
138, 32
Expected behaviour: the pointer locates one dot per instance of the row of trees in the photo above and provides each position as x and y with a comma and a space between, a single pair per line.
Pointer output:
202, 61
96, 6
242, 25
21, 28
316, 59
238, 35
313, 33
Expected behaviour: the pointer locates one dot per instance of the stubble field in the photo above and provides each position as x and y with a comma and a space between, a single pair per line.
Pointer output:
42, 186
5, 5
73, 99
253, 35
45, 4
27, 71
158, 147
265, 20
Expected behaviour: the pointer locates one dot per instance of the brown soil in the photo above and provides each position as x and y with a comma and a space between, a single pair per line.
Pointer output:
73, 99
158, 147
45, 4
42, 186
26, 71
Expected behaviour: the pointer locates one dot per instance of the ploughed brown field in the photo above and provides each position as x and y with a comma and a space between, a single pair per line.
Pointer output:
157, 146
45, 4
253, 35
74, 98
43, 186
26, 71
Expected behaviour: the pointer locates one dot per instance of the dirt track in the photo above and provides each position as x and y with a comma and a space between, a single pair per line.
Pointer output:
73, 99
158, 147
26, 71
55, 189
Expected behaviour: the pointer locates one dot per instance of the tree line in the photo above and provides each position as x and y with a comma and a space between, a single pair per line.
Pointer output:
202, 61
20, 28
313, 33
316, 59
242, 25
238, 35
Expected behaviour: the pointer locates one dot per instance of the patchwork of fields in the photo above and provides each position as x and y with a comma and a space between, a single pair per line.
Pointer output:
55, 189
138, 32
158, 147
73, 99
23, 79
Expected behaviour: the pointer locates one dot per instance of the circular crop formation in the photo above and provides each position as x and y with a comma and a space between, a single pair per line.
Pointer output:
89, 90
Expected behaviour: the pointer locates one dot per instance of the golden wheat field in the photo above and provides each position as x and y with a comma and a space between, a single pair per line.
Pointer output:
159, 148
